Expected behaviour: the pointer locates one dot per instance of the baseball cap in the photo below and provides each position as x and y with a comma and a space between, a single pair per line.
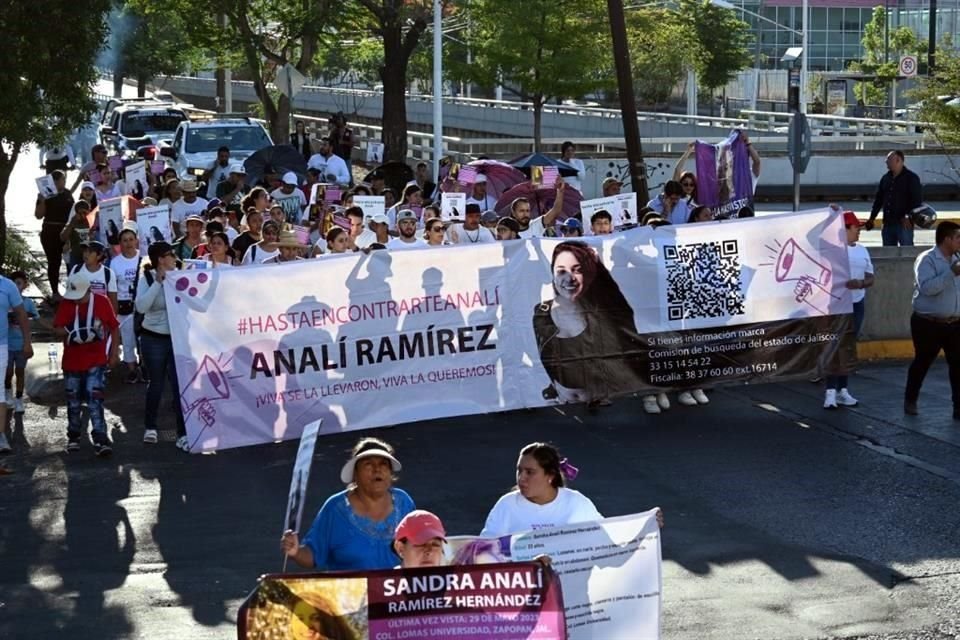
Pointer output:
509, 223
130, 226
238, 168
189, 185
850, 219
290, 178
86, 184
405, 214
572, 223
480, 179
489, 217
472, 207
77, 285
94, 245
420, 527
381, 218
194, 217
611, 180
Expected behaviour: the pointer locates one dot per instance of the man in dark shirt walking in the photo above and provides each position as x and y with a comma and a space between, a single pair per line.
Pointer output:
899, 193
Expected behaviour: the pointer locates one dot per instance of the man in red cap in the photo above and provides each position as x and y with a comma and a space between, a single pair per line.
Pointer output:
419, 540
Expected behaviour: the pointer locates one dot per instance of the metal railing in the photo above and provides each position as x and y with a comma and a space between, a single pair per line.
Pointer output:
822, 124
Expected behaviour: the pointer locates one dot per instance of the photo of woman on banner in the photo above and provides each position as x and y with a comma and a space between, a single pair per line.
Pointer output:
586, 334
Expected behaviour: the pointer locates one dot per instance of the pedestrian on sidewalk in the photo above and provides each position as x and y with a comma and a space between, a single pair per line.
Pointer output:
899, 193
935, 323
16, 358
12, 304
861, 278
156, 345
85, 321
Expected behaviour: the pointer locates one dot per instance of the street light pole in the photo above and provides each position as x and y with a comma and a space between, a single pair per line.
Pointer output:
437, 87
932, 43
804, 42
628, 107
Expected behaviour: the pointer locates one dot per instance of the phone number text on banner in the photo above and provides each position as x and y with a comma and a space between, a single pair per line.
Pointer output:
368, 340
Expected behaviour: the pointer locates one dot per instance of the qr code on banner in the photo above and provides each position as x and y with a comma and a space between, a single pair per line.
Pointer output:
703, 280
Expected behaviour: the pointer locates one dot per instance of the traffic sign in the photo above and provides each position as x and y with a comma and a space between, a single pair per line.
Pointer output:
289, 80
908, 66
798, 142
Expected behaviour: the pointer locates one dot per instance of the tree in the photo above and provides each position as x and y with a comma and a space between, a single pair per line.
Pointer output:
540, 50
662, 48
724, 42
945, 115
883, 62
47, 73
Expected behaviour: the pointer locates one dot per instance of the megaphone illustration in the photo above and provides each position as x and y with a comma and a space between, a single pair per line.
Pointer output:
207, 384
794, 263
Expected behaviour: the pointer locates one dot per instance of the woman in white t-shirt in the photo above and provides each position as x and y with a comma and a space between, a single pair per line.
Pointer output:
220, 254
568, 154
541, 499
861, 277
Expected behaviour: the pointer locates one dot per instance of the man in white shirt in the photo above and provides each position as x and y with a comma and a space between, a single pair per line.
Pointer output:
471, 231
190, 204
291, 198
376, 232
407, 228
479, 195
331, 166
218, 172
536, 228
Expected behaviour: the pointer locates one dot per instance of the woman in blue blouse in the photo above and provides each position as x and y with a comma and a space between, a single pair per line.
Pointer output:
355, 527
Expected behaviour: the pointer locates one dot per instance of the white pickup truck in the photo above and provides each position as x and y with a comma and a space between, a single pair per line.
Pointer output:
195, 143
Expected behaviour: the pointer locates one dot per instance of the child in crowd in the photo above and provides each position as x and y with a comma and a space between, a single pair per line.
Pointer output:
17, 361
84, 321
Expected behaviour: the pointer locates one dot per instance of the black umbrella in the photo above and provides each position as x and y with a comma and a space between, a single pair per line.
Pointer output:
525, 163
396, 175
278, 159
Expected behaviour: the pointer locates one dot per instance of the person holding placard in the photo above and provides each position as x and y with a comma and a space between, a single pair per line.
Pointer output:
108, 186
407, 228
75, 233
520, 210
126, 266
55, 213
355, 528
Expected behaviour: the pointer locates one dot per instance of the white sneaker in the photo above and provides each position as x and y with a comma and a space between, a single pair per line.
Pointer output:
700, 396
663, 401
9, 398
844, 399
830, 399
686, 399
183, 443
18, 405
4, 445
650, 404
150, 436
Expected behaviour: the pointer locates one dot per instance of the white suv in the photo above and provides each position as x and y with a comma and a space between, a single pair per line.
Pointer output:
195, 143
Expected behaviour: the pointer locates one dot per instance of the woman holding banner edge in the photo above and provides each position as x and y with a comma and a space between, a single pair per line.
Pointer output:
354, 529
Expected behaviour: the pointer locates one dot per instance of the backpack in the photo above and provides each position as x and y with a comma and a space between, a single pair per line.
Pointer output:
137, 316
108, 273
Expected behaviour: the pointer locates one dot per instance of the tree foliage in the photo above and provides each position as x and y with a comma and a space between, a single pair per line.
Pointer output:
723, 42
145, 43
880, 61
662, 48
541, 50
47, 73
930, 92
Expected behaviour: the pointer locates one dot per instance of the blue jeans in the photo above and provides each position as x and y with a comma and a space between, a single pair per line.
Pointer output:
840, 382
157, 354
85, 385
893, 233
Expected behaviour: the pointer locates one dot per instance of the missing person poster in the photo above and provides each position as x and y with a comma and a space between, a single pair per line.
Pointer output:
153, 225
398, 337
516, 601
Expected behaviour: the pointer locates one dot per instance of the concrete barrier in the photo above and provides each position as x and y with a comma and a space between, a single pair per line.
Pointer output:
886, 326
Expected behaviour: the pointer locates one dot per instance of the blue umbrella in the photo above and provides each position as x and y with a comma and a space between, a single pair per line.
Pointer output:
524, 163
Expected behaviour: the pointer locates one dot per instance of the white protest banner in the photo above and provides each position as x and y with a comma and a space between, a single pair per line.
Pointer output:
610, 571
453, 206
415, 335
136, 180
110, 220
301, 477
153, 225
626, 209
46, 187
371, 205
374, 152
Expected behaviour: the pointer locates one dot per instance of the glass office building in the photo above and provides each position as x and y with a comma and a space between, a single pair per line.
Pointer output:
836, 27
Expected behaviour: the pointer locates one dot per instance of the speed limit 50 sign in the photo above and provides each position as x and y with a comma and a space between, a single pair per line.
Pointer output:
908, 66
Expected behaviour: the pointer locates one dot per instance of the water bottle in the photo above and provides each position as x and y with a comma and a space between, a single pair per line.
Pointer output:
52, 358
